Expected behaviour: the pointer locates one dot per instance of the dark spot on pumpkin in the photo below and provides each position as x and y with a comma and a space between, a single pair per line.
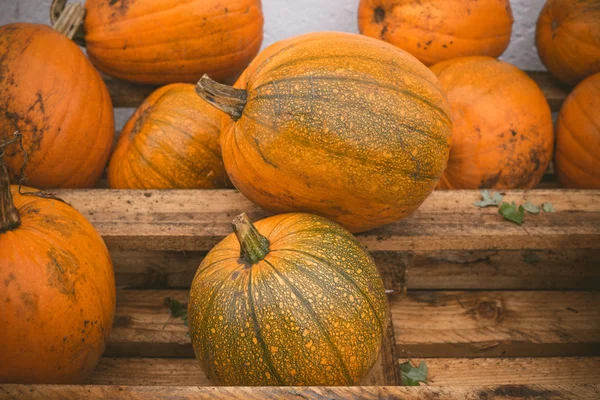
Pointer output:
119, 8
62, 271
260, 153
444, 46
383, 32
30, 301
139, 122
235, 275
226, 10
513, 132
7, 281
491, 181
428, 43
554, 24
378, 15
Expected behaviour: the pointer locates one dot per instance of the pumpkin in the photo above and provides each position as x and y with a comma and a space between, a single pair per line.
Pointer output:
165, 41
58, 290
294, 300
337, 124
502, 134
577, 154
52, 94
435, 31
567, 37
170, 142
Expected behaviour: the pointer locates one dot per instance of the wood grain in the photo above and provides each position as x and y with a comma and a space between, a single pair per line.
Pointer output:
196, 220
125, 94
318, 393
426, 324
442, 371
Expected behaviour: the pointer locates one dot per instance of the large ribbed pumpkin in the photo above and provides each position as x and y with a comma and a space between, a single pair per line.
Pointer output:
502, 127
166, 41
300, 304
434, 30
577, 158
338, 124
58, 290
53, 95
170, 142
568, 38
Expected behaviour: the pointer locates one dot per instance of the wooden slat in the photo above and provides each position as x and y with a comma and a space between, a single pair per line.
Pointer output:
426, 324
446, 269
196, 220
442, 371
320, 393
125, 94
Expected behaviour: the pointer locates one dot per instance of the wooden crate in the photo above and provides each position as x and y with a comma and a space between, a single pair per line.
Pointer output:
495, 309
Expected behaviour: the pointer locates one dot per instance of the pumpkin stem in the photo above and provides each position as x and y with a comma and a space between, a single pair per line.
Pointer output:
68, 20
228, 99
253, 246
9, 216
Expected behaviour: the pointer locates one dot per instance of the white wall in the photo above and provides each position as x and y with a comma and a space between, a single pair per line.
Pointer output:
286, 18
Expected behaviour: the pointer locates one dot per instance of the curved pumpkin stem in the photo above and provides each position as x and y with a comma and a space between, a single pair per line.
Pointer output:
228, 99
68, 20
253, 246
9, 215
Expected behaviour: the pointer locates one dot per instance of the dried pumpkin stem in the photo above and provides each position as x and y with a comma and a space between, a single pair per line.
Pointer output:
253, 246
68, 20
228, 99
9, 215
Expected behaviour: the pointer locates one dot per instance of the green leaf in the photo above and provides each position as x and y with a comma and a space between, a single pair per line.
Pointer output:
548, 207
411, 376
512, 213
531, 208
489, 199
178, 309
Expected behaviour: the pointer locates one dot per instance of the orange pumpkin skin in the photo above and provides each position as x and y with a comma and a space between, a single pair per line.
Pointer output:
577, 154
52, 94
435, 31
568, 38
164, 41
171, 142
58, 294
340, 125
502, 135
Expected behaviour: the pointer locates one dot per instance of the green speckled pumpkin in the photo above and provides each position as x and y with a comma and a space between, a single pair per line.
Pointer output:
300, 302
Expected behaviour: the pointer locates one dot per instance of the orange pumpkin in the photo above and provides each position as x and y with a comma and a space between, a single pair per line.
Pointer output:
577, 154
58, 290
171, 142
52, 94
502, 134
338, 124
165, 41
568, 38
434, 31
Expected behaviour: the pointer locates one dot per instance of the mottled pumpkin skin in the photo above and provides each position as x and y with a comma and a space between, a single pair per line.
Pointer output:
53, 95
502, 125
340, 125
435, 31
58, 294
313, 312
577, 158
167, 41
568, 38
171, 142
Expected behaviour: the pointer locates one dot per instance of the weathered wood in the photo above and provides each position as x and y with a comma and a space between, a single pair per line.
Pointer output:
426, 324
442, 371
125, 94
446, 269
317, 393
196, 220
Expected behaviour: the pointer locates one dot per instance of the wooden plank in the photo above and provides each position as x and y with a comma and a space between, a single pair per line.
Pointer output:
126, 94
317, 393
195, 220
446, 269
442, 371
426, 324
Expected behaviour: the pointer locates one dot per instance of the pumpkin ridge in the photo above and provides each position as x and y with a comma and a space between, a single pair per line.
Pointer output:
347, 277
584, 112
573, 35
201, 270
258, 333
316, 319
158, 172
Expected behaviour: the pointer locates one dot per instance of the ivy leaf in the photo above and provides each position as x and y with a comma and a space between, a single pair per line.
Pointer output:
178, 309
489, 199
411, 376
548, 207
512, 213
531, 208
